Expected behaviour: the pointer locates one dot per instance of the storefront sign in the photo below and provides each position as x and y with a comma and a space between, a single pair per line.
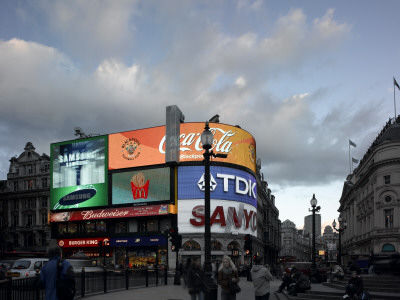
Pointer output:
84, 242
147, 146
126, 212
138, 241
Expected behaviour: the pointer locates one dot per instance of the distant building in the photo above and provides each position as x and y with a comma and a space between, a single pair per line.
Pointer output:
371, 196
24, 202
308, 225
294, 244
331, 240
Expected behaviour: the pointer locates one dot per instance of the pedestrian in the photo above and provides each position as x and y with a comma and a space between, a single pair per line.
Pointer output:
300, 284
186, 269
227, 276
261, 277
49, 275
196, 280
286, 282
355, 286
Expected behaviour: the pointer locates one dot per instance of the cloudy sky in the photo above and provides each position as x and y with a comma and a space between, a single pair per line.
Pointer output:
301, 76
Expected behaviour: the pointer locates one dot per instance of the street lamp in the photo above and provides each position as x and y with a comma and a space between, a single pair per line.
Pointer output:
314, 209
207, 139
340, 230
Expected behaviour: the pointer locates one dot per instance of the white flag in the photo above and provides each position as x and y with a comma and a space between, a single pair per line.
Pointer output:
351, 143
355, 160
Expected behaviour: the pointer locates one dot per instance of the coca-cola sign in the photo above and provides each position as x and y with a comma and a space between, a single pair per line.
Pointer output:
149, 146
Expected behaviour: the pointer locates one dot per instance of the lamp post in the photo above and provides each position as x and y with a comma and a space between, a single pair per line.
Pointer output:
340, 230
314, 208
207, 139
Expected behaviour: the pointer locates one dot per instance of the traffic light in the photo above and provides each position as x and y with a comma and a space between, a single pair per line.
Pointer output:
248, 244
175, 239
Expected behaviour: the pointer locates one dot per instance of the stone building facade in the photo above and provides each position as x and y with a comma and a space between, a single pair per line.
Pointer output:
24, 202
370, 201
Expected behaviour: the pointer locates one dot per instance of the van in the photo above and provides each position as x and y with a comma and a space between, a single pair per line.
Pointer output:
26, 267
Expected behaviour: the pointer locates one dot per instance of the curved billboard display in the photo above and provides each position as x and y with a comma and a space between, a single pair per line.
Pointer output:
147, 146
79, 173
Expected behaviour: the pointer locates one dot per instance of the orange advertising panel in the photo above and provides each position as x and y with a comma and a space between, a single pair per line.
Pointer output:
147, 146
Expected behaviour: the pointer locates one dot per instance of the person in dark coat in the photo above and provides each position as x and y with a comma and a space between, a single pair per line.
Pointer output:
301, 283
286, 281
227, 273
196, 280
355, 286
48, 274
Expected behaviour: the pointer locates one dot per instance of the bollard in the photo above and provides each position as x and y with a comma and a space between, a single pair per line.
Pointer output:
127, 278
105, 280
83, 287
36, 287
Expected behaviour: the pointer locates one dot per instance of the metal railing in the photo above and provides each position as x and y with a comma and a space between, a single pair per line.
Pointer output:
86, 283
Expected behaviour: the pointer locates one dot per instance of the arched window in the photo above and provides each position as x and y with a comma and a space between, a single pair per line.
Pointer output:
233, 245
388, 248
216, 245
191, 246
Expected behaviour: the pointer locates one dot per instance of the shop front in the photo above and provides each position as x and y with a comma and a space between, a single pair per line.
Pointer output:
137, 252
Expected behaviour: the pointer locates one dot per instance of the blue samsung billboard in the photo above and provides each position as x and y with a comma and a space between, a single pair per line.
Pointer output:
226, 184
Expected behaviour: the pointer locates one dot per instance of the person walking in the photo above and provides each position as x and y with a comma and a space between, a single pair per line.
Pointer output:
227, 275
50, 273
196, 280
261, 277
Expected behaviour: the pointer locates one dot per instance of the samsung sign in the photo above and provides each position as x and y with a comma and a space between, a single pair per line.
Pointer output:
225, 184
233, 206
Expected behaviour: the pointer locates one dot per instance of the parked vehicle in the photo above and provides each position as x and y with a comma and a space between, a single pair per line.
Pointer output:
5, 266
26, 267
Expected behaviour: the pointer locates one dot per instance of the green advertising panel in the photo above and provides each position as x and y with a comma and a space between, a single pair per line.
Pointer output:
141, 187
79, 174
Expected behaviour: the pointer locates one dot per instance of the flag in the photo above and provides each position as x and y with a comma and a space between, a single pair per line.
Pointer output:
351, 143
395, 83
354, 160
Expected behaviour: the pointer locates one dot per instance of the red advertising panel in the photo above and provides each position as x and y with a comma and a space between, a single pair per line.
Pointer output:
82, 242
126, 212
147, 146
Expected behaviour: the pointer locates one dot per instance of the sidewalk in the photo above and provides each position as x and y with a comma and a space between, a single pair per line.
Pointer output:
179, 292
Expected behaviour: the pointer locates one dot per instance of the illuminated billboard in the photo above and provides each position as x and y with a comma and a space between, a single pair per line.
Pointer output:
225, 217
233, 205
141, 187
147, 146
225, 184
79, 174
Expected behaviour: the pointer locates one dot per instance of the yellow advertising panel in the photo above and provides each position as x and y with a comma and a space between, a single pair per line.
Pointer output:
147, 146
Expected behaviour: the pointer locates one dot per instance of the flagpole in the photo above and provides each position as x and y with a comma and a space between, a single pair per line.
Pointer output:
394, 98
349, 158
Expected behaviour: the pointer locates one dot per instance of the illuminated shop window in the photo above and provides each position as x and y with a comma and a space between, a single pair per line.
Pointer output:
216, 245
191, 246
233, 245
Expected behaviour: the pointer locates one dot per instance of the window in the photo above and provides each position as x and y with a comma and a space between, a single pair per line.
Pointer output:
388, 218
62, 228
120, 227
101, 226
388, 248
386, 179
388, 199
44, 202
29, 169
44, 183
216, 245
15, 240
191, 246
30, 185
15, 185
15, 220
29, 220
16, 206
43, 219
90, 227
44, 239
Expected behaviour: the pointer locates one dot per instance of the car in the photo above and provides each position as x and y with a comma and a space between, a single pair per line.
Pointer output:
26, 267
89, 266
5, 266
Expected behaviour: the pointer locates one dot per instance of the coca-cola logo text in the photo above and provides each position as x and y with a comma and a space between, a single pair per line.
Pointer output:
220, 145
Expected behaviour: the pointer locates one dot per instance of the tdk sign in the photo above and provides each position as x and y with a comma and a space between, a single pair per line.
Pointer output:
225, 184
